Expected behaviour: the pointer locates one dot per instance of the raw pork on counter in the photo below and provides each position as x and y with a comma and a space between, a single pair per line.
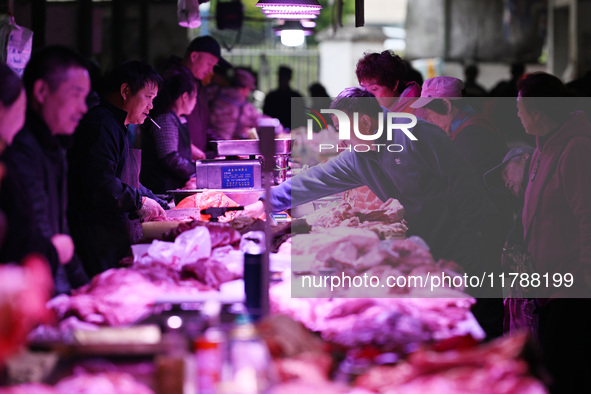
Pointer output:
24, 291
100, 383
357, 251
200, 250
396, 324
201, 258
122, 296
494, 368
400, 316
209, 199
384, 220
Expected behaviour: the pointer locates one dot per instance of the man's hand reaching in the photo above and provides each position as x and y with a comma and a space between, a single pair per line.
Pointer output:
150, 209
254, 210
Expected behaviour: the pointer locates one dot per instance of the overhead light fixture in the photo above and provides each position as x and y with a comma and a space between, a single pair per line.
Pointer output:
292, 38
290, 9
293, 33
308, 24
188, 13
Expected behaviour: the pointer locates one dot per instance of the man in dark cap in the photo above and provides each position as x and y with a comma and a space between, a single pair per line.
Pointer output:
202, 55
510, 174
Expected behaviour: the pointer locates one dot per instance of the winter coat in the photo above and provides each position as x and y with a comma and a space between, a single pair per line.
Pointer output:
34, 197
558, 225
103, 203
166, 154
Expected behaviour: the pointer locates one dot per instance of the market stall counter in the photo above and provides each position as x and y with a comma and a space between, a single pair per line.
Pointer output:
187, 287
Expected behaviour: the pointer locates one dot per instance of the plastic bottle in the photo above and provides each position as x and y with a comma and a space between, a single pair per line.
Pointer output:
171, 374
209, 349
253, 246
249, 359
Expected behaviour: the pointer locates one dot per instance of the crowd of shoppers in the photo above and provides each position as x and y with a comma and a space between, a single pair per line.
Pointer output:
73, 189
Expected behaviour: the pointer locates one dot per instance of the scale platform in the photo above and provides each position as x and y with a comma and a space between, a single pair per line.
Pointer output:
248, 147
242, 197
239, 165
228, 174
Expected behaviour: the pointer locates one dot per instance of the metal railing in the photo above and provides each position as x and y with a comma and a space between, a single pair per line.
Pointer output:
265, 62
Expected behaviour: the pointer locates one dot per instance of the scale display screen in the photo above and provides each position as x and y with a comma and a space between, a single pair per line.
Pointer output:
237, 176
228, 174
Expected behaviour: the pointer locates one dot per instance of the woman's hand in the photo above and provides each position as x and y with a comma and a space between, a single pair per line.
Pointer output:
196, 153
191, 184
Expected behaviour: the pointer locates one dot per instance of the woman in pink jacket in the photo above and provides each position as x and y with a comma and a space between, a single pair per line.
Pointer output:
384, 75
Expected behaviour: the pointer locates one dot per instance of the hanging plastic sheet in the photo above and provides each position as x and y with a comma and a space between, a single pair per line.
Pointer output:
188, 13
16, 43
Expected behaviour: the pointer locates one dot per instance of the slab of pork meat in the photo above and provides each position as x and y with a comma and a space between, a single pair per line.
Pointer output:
122, 296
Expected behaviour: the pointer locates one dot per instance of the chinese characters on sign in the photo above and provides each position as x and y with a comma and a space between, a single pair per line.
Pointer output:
237, 177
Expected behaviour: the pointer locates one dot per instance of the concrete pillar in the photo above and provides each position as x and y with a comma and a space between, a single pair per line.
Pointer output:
569, 35
39, 22
85, 26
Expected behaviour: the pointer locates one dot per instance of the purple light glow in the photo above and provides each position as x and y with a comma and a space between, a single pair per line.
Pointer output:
290, 9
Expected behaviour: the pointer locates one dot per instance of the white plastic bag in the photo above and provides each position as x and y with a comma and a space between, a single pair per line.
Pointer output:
16, 43
188, 247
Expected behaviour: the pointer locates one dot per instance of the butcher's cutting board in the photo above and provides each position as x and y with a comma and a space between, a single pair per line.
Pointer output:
109, 341
155, 230
183, 214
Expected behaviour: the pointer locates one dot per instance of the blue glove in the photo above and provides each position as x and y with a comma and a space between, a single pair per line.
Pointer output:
148, 193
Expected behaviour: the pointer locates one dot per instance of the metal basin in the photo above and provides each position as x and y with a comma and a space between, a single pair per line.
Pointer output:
248, 147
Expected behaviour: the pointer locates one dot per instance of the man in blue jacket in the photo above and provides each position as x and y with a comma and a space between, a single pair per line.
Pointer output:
444, 203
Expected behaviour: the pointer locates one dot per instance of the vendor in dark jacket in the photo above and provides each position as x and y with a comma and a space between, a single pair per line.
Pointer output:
443, 202
106, 197
34, 194
166, 150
